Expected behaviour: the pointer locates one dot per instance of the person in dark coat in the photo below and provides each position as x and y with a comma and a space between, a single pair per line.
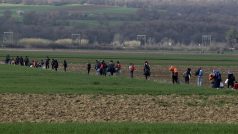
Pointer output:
21, 61
217, 79
53, 64
56, 65
111, 68
47, 63
26, 61
88, 68
146, 70
187, 75
7, 60
17, 61
231, 80
65, 64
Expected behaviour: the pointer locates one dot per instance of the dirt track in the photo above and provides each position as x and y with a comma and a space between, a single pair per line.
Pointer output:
136, 108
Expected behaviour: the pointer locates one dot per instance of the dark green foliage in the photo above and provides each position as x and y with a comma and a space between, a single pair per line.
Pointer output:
180, 23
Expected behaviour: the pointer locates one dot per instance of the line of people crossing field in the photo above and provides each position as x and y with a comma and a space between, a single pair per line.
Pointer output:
214, 77
18, 60
111, 68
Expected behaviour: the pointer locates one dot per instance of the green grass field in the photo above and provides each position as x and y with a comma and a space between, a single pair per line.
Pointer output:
88, 8
93, 10
18, 79
117, 128
137, 58
94, 23
24, 80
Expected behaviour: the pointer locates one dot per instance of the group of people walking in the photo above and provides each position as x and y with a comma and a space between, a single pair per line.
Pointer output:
19, 60
103, 68
214, 77
34, 63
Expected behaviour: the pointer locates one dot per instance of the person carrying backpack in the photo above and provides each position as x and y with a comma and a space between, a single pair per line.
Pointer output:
187, 75
217, 79
211, 78
199, 74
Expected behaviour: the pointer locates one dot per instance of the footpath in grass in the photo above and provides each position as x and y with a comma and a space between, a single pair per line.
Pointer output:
117, 128
17, 79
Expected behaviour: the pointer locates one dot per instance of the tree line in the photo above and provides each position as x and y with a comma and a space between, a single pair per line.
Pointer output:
184, 24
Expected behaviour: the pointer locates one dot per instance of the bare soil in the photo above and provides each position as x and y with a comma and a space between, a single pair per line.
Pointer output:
117, 108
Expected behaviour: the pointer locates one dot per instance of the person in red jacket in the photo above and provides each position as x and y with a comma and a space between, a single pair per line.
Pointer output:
132, 69
118, 68
174, 72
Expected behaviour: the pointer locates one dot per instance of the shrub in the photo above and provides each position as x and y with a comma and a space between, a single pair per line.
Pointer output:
34, 42
132, 44
64, 42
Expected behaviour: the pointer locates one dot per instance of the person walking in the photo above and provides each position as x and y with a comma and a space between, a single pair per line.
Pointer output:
118, 68
230, 80
53, 64
147, 70
132, 69
88, 67
111, 68
187, 75
56, 65
7, 59
65, 64
174, 72
26, 61
217, 79
47, 63
199, 74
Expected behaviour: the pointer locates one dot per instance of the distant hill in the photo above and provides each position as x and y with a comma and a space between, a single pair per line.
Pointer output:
118, 21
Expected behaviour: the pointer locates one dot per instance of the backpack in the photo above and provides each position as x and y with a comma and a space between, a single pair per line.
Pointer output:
218, 75
197, 72
232, 77
132, 68
211, 76
185, 74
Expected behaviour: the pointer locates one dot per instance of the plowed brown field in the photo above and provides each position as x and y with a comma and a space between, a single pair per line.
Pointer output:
117, 108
